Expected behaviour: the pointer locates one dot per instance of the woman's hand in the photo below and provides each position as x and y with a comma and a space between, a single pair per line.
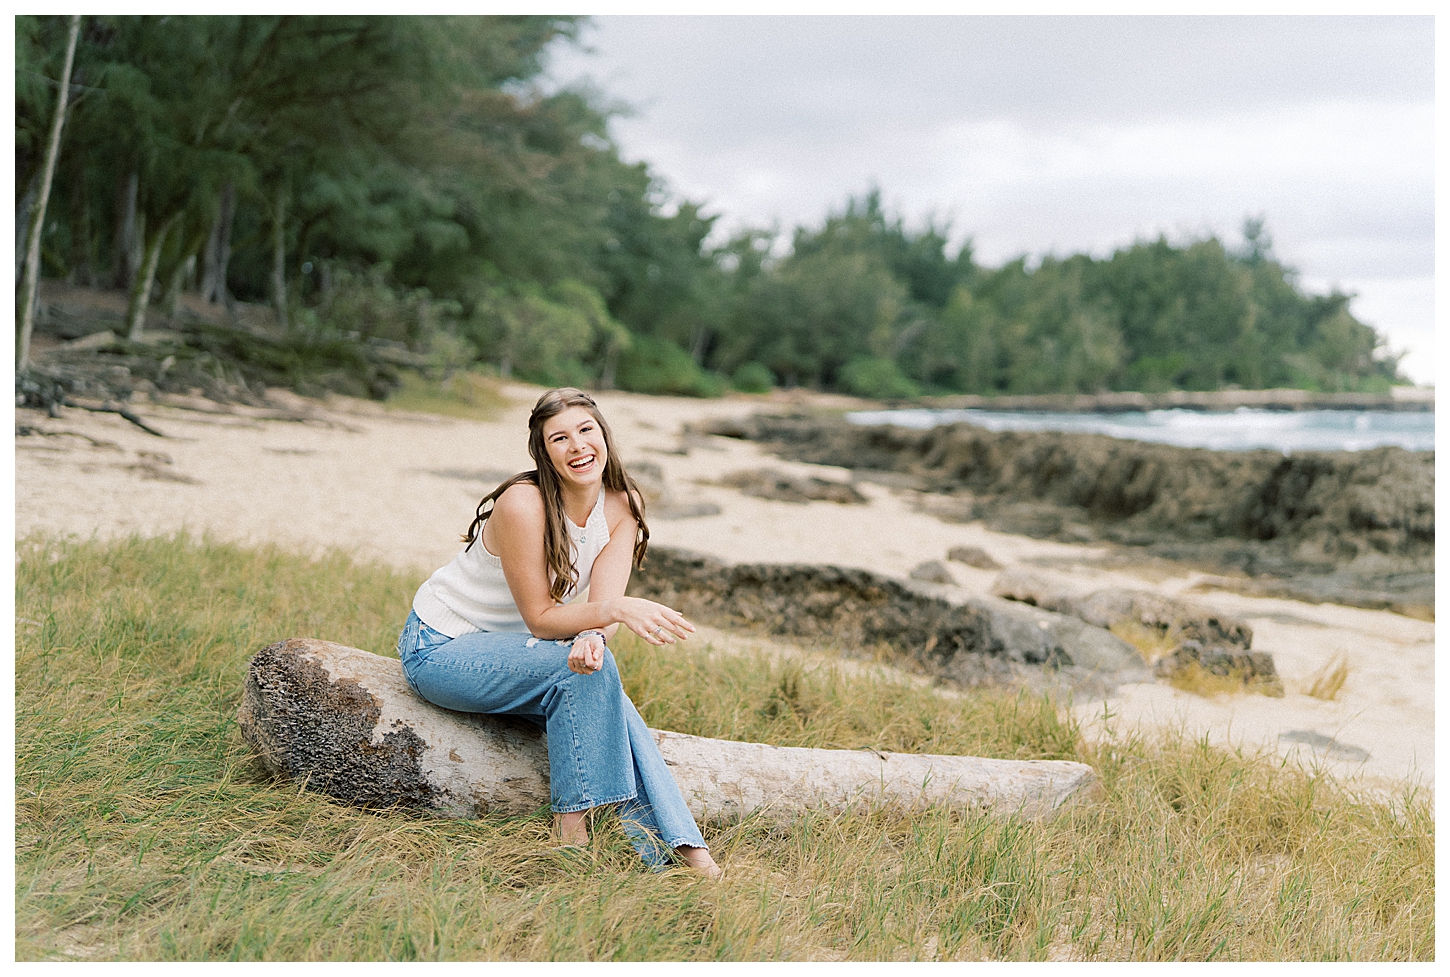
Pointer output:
655, 623
587, 654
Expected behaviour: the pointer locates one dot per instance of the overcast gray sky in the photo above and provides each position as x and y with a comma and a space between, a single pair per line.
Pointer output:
1055, 134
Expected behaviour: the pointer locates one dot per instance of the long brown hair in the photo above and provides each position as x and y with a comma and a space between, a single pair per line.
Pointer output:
557, 544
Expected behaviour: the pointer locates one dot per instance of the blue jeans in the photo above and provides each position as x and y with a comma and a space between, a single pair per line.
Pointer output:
600, 750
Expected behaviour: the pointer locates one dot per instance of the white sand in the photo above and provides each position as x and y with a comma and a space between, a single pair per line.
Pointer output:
400, 488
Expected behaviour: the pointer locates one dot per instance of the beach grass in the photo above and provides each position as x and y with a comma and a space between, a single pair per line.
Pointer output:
1151, 643
146, 829
1329, 681
464, 394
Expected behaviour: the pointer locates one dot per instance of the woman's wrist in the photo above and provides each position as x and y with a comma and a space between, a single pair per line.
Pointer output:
599, 632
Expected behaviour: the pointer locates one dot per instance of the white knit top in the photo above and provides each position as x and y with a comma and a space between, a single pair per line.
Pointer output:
470, 593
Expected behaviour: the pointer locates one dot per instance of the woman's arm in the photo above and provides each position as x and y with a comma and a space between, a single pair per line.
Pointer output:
610, 576
515, 533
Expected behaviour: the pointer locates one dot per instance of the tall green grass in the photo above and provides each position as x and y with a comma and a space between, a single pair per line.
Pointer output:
146, 830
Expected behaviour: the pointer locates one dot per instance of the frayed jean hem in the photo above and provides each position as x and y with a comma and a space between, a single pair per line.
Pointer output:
571, 809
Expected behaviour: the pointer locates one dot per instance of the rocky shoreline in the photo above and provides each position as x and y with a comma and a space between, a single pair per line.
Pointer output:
1414, 399
1026, 632
1355, 528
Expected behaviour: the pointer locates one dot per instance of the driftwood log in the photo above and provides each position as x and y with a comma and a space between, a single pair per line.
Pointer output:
344, 722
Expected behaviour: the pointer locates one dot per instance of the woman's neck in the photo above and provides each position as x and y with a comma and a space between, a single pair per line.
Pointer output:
579, 502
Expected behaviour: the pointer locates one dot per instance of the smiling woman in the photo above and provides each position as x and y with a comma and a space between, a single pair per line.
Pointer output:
498, 630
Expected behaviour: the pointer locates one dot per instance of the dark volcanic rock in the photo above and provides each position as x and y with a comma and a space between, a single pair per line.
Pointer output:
660, 500
1167, 615
973, 556
932, 571
1253, 668
1360, 523
767, 483
1195, 636
968, 640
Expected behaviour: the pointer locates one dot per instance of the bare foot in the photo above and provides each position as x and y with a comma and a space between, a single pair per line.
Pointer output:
572, 829
700, 861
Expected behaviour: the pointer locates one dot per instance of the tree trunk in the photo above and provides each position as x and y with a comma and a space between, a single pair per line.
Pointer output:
23, 210
37, 219
219, 249
141, 292
279, 256
82, 256
324, 276
172, 300
611, 367
344, 722
699, 344
127, 252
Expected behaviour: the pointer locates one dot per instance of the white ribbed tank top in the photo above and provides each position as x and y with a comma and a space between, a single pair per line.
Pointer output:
470, 593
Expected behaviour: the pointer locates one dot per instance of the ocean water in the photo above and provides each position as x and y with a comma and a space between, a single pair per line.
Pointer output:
1239, 430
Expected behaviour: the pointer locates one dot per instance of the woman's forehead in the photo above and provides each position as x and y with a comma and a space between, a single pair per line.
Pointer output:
568, 419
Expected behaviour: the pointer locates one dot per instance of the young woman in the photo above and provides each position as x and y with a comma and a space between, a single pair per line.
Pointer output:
494, 631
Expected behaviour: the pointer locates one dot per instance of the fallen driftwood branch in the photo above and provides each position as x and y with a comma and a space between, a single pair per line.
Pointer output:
344, 722
112, 407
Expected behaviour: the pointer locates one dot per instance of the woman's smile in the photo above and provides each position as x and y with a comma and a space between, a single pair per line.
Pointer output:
576, 445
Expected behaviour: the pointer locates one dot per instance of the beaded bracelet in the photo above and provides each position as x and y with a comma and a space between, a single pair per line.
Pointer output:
602, 639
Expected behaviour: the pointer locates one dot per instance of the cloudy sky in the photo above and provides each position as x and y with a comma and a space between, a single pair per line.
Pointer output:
1055, 134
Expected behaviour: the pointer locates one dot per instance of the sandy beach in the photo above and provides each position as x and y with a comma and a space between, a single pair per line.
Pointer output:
399, 488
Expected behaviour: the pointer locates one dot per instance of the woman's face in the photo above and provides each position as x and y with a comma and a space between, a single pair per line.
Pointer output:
575, 442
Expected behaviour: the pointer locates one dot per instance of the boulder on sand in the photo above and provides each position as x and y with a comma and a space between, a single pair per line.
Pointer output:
973, 556
1254, 669
932, 571
1168, 615
344, 722
1195, 636
1112, 607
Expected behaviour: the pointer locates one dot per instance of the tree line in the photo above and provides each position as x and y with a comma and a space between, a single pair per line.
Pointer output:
410, 180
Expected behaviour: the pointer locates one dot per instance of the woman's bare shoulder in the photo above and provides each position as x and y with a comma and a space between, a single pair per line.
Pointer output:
520, 500
616, 509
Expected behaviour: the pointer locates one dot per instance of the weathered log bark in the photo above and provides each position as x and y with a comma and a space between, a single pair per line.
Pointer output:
345, 723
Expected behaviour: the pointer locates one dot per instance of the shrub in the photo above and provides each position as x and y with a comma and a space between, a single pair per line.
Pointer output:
657, 366
877, 378
752, 378
367, 306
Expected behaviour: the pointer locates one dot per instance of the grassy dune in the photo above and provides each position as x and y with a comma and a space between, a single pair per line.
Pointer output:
146, 830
